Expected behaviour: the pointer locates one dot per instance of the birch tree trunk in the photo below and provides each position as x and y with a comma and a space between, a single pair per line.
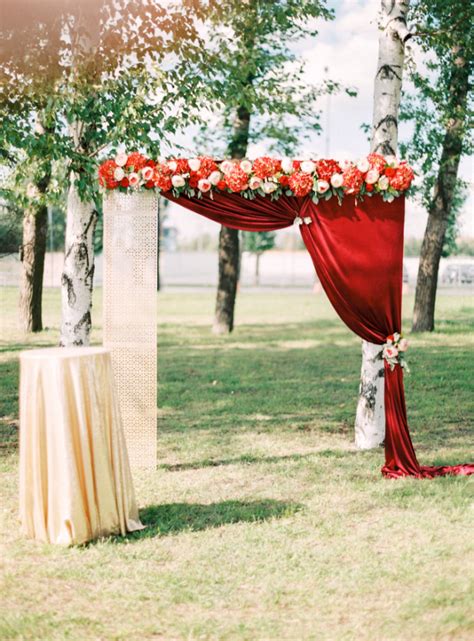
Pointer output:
78, 272
370, 414
77, 279
229, 252
441, 203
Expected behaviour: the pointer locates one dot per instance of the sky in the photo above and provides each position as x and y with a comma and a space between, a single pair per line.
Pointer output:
348, 47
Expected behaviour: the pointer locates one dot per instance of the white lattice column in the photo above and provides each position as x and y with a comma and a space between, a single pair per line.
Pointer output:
130, 255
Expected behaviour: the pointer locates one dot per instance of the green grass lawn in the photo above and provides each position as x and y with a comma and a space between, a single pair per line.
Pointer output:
264, 522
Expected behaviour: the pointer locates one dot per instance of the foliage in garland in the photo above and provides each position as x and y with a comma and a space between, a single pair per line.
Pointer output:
441, 29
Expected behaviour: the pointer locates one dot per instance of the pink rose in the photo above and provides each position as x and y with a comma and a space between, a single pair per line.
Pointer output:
269, 187
226, 167
323, 186
147, 173
246, 166
372, 176
255, 182
337, 180
390, 351
204, 185
363, 165
134, 179
403, 345
215, 177
119, 174
178, 181
121, 159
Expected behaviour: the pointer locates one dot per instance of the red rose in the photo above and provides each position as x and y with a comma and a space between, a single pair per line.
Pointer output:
182, 166
390, 172
352, 180
368, 187
106, 174
376, 161
325, 168
162, 168
403, 176
163, 181
124, 182
221, 185
296, 164
300, 183
149, 184
265, 167
237, 179
193, 180
208, 165
150, 163
284, 181
136, 161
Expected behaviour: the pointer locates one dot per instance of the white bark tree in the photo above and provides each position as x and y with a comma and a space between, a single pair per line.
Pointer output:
77, 279
370, 415
78, 271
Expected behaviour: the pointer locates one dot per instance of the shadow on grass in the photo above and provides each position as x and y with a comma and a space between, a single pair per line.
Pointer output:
249, 459
172, 518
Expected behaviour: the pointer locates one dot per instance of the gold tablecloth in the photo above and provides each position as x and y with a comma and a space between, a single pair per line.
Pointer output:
75, 480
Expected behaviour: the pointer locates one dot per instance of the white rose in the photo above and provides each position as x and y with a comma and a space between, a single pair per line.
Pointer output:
226, 166
147, 173
134, 179
337, 180
345, 164
178, 181
383, 183
215, 177
372, 176
255, 182
363, 165
268, 187
287, 165
323, 186
119, 174
204, 185
308, 167
246, 166
173, 165
194, 164
392, 161
121, 159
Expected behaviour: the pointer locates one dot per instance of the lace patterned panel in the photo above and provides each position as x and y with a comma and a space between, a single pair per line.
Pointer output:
130, 315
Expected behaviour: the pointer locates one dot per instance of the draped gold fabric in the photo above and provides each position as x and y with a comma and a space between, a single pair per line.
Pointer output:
75, 481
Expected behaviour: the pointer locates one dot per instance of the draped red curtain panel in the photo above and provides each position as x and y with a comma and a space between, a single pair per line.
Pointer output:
357, 251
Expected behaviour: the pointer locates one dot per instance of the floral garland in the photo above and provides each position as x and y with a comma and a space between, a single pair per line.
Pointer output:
265, 176
394, 351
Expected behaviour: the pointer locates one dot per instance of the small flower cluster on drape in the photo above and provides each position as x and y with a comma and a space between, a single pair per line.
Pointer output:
394, 351
265, 176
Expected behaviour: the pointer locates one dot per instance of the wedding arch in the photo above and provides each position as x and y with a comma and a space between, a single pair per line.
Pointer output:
351, 218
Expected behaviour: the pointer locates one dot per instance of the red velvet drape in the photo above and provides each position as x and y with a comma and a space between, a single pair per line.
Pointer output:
357, 251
